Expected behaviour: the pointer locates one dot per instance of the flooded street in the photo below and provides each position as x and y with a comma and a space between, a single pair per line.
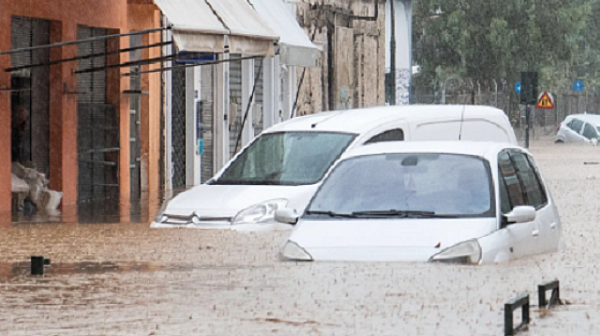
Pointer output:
128, 279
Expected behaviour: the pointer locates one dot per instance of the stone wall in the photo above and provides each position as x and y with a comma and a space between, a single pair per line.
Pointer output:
351, 69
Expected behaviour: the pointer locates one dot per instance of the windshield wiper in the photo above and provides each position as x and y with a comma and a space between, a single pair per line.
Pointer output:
401, 214
330, 214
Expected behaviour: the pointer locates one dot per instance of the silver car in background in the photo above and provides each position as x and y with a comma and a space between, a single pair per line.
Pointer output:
579, 128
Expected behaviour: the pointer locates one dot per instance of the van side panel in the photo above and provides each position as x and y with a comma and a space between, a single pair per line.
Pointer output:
472, 130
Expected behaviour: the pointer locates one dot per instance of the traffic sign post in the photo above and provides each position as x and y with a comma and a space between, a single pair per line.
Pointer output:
528, 91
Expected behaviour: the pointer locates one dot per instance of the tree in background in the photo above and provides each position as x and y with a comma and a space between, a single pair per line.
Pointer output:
484, 40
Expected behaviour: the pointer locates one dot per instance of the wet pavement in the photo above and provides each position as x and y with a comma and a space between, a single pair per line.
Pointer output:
128, 279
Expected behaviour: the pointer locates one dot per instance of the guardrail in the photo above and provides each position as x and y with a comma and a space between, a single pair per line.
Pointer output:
509, 309
554, 296
522, 302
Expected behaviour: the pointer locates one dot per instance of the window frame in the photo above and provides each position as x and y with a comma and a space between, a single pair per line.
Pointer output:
592, 127
502, 179
372, 139
570, 125
536, 175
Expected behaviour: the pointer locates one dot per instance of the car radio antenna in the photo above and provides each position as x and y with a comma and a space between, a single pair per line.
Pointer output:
462, 120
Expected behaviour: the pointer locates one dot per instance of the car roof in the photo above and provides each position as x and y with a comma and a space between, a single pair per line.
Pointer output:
362, 120
484, 149
591, 118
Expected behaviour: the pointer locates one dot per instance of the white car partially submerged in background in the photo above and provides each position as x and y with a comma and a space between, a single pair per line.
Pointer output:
285, 165
579, 129
462, 202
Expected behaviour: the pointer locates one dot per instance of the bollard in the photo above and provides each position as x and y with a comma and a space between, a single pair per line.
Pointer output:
509, 307
554, 296
37, 265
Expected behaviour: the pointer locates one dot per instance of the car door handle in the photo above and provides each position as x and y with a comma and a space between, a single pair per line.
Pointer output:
535, 233
553, 226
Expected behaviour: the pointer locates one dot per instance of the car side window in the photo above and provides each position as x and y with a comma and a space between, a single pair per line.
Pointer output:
508, 176
537, 174
391, 135
576, 125
590, 132
536, 196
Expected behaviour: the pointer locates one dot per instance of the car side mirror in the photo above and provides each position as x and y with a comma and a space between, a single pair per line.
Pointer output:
287, 216
520, 214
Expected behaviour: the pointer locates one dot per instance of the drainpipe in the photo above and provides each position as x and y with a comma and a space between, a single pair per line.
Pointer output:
393, 52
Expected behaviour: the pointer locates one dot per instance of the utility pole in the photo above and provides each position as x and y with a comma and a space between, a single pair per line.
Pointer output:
393, 53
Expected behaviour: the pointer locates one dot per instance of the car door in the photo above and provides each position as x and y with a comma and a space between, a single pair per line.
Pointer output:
523, 238
574, 134
589, 132
536, 195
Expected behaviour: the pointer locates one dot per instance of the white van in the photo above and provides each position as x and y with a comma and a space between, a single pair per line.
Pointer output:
284, 165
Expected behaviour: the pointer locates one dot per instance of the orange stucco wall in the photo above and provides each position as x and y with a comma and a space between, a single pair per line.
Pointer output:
65, 16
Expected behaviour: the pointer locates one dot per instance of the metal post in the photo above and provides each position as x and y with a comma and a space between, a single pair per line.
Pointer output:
393, 52
527, 126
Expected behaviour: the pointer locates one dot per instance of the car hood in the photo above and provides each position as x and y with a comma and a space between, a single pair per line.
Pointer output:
386, 239
227, 200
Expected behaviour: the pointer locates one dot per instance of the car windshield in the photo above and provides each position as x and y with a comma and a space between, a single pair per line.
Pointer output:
287, 158
407, 186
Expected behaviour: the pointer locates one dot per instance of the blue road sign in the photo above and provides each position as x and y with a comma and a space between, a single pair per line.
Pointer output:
518, 88
200, 146
578, 86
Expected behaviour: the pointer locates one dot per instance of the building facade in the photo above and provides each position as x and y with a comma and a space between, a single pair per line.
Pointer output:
351, 69
332, 57
93, 131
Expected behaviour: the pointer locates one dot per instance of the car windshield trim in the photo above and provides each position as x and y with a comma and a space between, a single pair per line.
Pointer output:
286, 158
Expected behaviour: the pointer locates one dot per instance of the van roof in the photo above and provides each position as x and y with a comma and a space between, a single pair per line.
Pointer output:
362, 120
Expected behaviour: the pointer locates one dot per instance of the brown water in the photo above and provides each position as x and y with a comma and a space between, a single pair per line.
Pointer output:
127, 279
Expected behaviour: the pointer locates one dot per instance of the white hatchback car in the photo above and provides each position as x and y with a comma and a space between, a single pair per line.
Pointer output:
579, 128
464, 202
285, 165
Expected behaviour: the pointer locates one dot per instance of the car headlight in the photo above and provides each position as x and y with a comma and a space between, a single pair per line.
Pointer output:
292, 251
468, 252
259, 213
160, 214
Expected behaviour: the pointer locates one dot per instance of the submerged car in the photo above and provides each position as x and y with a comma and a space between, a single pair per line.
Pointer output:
460, 202
579, 128
285, 165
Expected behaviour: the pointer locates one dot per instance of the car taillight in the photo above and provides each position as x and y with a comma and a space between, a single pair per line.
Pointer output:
558, 129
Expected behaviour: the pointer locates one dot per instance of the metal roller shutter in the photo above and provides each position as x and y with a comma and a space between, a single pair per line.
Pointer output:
235, 90
207, 94
32, 88
135, 108
257, 113
178, 125
97, 135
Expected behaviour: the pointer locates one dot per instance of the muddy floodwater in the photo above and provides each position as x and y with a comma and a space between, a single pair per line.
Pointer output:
128, 279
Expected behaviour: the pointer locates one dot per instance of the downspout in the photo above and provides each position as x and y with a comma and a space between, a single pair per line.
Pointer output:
393, 53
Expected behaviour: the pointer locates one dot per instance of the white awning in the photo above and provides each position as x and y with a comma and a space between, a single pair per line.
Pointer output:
295, 47
250, 35
201, 26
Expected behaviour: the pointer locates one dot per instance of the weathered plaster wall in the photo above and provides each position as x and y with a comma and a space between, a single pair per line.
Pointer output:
351, 69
